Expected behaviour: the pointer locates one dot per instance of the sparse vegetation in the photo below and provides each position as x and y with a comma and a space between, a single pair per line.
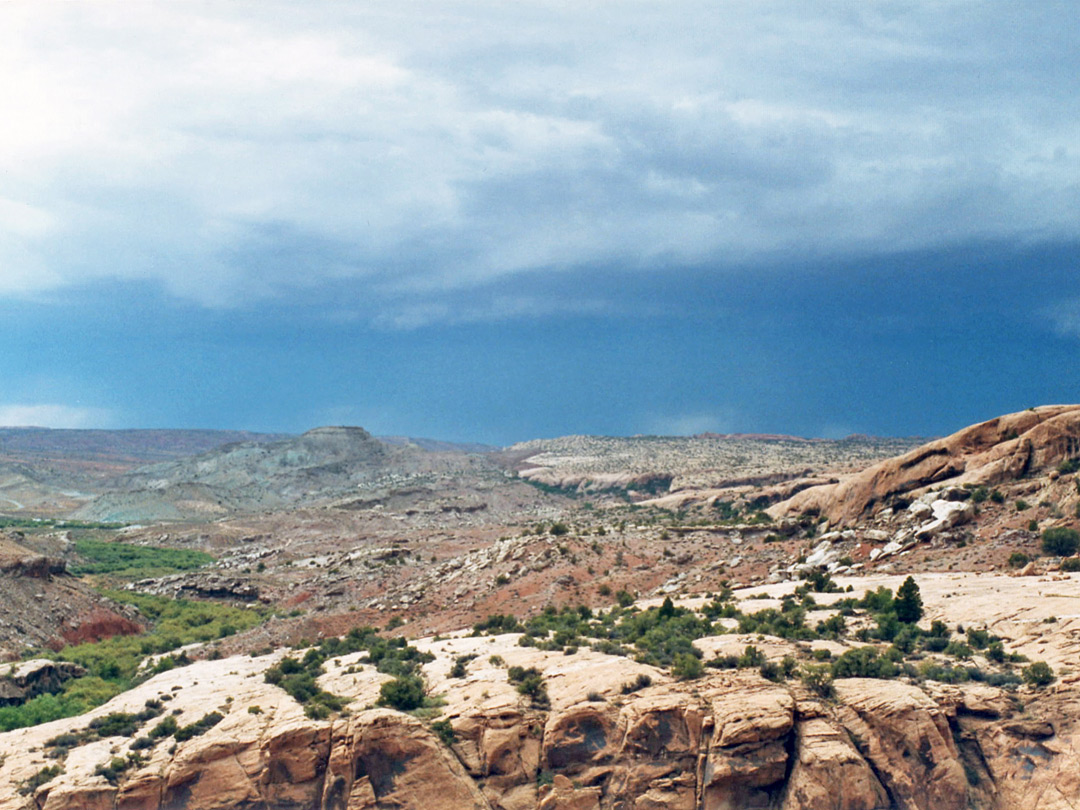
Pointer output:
392, 656
113, 664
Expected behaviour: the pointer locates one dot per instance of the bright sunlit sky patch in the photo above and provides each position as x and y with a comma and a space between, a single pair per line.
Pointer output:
493, 221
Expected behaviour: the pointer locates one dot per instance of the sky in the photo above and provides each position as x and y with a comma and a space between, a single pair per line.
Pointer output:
491, 221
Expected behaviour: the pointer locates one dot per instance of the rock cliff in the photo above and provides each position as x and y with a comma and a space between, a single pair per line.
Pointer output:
728, 740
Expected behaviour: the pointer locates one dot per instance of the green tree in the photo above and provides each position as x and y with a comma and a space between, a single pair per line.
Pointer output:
908, 602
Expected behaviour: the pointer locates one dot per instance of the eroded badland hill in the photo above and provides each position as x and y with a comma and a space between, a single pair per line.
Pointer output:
335, 621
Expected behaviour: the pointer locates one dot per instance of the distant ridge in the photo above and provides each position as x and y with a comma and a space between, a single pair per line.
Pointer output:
133, 446
759, 437
323, 463
438, 446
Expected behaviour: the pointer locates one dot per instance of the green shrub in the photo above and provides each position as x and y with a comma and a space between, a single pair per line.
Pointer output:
404, 693
459, 669
166, 728
1022, 505
1039, 674
445, 732
1018, 559
117, 724
640, 682
751, 657
46, 774
863, 662
818, 678
687, 667
1070, 564
978, 639
496, 624
1060, 541
200, 726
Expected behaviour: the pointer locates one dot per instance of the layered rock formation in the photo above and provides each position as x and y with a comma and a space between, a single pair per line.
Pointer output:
1002, 449
729, 740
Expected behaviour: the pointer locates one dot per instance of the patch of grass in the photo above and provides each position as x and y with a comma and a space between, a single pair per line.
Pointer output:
112, 664
126, 560
55, 523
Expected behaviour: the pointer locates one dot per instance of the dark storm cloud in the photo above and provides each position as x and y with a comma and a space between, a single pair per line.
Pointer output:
220, 150
698, 204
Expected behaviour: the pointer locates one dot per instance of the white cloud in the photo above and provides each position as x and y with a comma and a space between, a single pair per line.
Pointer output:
450, 144
54, 416
1064, 317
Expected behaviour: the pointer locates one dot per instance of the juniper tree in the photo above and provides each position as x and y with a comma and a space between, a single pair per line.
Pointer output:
908, 602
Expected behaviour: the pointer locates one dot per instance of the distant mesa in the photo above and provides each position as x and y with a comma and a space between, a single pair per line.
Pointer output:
246, 477
996, 451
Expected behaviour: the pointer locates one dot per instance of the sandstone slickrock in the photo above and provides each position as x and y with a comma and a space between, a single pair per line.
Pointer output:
1001, 449
729, 740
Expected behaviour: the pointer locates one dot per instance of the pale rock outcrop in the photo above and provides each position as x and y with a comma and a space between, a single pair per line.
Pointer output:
946, 515
1001, 449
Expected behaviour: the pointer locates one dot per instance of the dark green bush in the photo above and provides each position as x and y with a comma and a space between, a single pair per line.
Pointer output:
166, 728
404, 693
1060, 541
1018, 559
958, 649
445, 732
1070, 564
200, 726
687, 667
640, 682
46, 774
863, 662
1039, 674
117, 724
459, 670
818, 678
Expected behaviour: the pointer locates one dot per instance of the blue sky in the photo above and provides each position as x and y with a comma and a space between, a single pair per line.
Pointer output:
492, 221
